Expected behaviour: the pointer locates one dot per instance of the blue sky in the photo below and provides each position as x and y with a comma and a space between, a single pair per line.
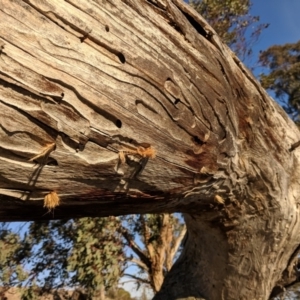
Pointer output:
283, 17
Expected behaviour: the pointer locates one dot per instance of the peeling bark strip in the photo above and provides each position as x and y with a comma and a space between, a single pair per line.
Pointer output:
94, 78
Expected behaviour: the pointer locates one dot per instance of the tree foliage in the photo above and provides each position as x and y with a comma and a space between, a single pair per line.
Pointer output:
283, 78
119, 294
233, 22
90, 253
11, 271
85, 253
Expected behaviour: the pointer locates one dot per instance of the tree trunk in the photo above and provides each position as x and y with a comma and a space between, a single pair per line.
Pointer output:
90, 90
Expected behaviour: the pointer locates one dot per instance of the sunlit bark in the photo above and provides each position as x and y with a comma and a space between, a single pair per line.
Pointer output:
112, 82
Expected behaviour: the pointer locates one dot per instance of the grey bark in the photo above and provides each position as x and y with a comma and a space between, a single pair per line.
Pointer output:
86, 84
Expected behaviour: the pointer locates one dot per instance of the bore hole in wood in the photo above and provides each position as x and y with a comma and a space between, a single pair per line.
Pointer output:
51, 162
62, 95
176, 101
106, 28
197, 140
119, 123
121, 58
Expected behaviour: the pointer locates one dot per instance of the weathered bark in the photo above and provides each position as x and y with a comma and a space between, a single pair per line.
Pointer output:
93, 78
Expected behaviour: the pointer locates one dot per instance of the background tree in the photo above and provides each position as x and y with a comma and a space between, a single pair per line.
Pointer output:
11, 270
282, 75
84, 253
89, 253
233, 22
119, 294
144, 295
160, 238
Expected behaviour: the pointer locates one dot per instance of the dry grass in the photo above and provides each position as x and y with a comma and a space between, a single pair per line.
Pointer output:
45, 152
51, 200
145, 152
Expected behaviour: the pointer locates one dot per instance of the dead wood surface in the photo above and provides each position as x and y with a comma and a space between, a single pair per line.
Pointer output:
89, 90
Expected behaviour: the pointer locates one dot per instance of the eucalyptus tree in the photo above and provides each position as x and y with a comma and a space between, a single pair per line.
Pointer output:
54, 256
233, 22
282, 75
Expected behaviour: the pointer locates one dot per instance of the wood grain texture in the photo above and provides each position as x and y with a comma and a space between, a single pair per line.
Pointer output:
100, 78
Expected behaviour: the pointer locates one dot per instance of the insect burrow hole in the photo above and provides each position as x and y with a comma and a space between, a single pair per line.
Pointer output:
121, 57
106, 28
197, 141
118, 123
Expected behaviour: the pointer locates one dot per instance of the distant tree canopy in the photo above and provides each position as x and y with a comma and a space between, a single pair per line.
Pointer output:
119, 294
283, 78
90, 253
231, 19
85, 253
